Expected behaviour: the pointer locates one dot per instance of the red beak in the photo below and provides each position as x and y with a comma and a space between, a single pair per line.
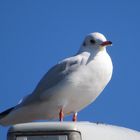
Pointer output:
106, 43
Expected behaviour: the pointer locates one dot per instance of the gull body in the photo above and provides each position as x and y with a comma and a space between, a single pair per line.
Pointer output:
71, 85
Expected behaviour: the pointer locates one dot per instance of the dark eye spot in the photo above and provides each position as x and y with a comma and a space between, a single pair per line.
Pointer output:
84, 44
92, 41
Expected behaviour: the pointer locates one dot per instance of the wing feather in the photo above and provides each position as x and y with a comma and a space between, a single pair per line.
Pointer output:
57, 73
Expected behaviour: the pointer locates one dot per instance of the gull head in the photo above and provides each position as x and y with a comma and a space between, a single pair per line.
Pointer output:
95, 41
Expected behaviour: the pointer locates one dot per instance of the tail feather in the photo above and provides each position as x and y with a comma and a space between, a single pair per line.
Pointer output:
6, 112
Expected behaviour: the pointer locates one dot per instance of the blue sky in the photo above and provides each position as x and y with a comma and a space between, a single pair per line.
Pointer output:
35, 35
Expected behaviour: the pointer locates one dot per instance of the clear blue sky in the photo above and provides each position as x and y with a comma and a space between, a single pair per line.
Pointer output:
34, 35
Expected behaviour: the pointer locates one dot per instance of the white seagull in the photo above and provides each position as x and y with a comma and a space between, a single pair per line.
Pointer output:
67, 87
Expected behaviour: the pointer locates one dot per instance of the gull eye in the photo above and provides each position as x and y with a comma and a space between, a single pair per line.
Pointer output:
92, 41
84, 44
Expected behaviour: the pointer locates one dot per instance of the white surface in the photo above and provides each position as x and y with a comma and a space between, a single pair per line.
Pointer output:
88, 130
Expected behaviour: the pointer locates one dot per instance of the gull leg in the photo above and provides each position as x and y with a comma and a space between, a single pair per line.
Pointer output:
61, 115
74, 119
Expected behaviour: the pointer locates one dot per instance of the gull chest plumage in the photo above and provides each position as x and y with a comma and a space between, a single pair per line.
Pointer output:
68, 87
87, 82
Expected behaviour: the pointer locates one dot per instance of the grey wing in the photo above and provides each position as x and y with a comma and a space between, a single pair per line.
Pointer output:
57, 74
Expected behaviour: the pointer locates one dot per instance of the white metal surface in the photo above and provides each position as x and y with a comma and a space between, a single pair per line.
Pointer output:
88, 130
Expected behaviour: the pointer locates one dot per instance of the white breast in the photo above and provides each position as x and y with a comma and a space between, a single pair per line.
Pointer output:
85, 84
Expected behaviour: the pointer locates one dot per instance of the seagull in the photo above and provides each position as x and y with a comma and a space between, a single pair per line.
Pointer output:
68, 87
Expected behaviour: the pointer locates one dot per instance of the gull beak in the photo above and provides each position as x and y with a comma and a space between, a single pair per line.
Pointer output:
106, 43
